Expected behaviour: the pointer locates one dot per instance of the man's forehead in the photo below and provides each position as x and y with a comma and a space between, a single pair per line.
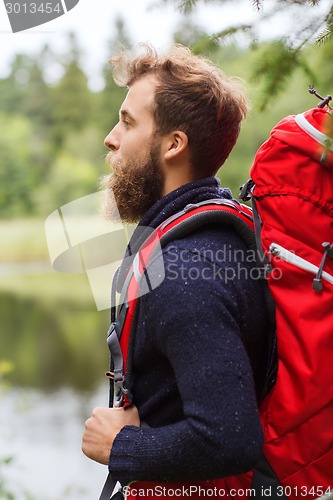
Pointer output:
140, 94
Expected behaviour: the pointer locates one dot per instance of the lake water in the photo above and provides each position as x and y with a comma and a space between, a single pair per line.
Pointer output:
43, 433
57, 345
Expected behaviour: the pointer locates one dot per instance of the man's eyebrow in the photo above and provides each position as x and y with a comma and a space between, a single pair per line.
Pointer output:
123, 113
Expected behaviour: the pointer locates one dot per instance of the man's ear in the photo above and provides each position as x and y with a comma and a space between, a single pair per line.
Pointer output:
176, 143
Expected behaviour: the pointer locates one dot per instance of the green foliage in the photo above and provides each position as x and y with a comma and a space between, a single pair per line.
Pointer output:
211, 43
190, 35
52, 131
17, 175
5, 494
71, 103
276, 64
70, 178
109, 100
5, 367
284, 56
326, 34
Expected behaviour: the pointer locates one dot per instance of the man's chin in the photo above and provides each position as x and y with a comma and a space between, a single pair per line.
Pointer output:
111, 212
109, 209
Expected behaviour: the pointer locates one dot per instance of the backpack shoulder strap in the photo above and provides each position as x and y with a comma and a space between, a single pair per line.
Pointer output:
199, 214
179, 225
194, 216
120, 334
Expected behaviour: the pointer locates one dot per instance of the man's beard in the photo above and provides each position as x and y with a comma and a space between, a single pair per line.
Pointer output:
134, 186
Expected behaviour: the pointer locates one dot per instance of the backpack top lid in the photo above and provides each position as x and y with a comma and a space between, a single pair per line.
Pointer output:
297, 159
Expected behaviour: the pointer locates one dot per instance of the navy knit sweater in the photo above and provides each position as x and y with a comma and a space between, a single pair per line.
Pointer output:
199, 356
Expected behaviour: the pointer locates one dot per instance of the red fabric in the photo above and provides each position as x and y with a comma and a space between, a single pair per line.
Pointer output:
294, 194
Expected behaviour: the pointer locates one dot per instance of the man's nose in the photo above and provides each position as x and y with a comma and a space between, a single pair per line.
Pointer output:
111, 141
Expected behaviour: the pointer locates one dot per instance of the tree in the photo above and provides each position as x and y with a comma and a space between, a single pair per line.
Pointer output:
283, 55
71, 97
70, 178
17, 177
111, 97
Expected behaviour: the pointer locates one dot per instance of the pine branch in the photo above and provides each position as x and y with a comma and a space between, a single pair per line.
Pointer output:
307, 70
204, 45
276, 66
187, 6
233, 30
256, 5
209, 43
324, 36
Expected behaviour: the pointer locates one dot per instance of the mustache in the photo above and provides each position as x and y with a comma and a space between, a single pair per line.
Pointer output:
114, 163
109, 157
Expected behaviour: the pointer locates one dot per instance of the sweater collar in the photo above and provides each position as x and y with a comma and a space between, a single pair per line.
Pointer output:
193, 192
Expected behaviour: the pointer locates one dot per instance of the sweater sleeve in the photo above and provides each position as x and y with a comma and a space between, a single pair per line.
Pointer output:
194, 318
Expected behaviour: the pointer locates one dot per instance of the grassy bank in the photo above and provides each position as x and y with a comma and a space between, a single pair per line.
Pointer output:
23, 240
23, 243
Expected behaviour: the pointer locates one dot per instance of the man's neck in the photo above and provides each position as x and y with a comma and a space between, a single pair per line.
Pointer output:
176, 179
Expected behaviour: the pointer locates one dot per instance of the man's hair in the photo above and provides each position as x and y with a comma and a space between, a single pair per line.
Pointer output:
193, 96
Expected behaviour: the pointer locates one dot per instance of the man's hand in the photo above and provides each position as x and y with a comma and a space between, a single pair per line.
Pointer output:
102, 428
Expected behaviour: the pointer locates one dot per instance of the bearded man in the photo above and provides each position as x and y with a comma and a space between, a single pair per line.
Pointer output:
199, 344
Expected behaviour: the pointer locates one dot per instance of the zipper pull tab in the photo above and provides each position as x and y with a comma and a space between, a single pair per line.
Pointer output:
328, 251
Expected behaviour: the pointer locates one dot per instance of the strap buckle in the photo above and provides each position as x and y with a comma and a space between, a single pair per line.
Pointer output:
119, 390
246, 190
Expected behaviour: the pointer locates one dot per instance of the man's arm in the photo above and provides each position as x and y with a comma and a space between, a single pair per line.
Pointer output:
196, 325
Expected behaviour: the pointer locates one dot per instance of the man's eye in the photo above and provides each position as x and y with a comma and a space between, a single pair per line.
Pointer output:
126, 123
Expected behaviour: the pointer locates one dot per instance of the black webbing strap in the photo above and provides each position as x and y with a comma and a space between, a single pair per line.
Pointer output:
263, 261
110, 490
118, 378
265, 483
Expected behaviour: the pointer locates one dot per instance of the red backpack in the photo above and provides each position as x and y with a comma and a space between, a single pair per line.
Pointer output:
292, 191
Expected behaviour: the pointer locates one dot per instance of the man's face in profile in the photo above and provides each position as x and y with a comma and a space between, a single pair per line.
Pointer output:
137, 180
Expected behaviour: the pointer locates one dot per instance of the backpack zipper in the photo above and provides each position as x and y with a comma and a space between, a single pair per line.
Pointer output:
297, 261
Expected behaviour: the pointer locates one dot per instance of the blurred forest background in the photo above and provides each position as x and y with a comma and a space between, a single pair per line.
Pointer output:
52, 152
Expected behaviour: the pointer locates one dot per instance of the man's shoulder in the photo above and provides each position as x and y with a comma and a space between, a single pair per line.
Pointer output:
211, 241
